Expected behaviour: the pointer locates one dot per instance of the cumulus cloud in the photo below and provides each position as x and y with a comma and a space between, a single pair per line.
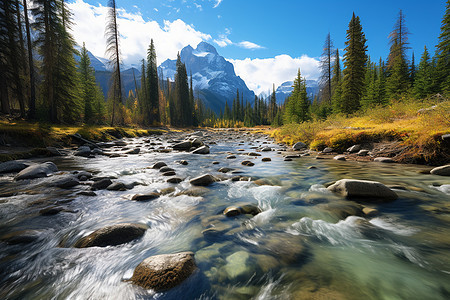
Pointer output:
169, 37
260, 74
249, 45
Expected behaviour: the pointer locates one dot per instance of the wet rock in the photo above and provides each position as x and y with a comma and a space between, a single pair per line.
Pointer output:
37, 171
182, 146
87, 193
266, 159
13, 166
384, 160
266, 149
162, 272
145, 197
120, 143
65, 182
166, 169
237, 265
253, 154
203, 180
20, 237
194, 192
201, 150
167, 191
287, 159
97, 151
231, 157
266, 181
174, 180
112, 235
247, 163
370, 212
225, 170
169, 173
50, 211
354, 148
363, 152
232, 211
340, 157
159, 165
341, 210
101, 184
216, 162
363, 189
82, 175
84, 151
286, 247
116, 186
442, 171
299, 146
113, 155
292, 156
183, 162
133, 151
327, 150
196, 142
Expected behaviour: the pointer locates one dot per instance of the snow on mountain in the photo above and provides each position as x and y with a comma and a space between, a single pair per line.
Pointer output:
213, 77
285, 90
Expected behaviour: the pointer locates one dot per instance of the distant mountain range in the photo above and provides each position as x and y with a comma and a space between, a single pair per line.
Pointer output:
285, 90
213, 77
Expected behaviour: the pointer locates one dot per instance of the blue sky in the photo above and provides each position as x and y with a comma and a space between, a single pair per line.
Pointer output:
259, 37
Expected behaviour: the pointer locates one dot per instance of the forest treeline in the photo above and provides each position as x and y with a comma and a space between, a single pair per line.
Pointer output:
40, 78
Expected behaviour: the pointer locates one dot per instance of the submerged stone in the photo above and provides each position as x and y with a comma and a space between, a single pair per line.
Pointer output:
363, 189
112, 235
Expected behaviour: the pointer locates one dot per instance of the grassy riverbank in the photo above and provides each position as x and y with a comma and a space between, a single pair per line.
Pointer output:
417, 126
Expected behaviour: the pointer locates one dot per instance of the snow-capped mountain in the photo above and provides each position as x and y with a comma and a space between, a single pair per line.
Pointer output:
285, 90
213, 77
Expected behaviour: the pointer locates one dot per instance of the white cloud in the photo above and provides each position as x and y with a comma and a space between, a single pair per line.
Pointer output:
135, 33
217, 3
249, 45
259, 74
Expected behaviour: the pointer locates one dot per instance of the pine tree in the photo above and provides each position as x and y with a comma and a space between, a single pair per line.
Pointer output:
443, 54
326, 71
183, 108
31, 70
297, 105
336, 80
355, 59
380, 85
152, 86
423, 85
273, 108
112, 49
412, 70
398, 81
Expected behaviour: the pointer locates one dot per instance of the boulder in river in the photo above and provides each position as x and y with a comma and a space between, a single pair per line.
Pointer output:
363, 152
84, 151
159, 165
101, 184
116, 186
340, 157
174, 180
203, 180
201, 150
384, 160
37, 171
112, 235
145, 197
327, 150
363, 189
442, 170
13, 166
182, 146
133, 151
354, 148
266, 159
66, 182
162, 272
246, 209
299, 146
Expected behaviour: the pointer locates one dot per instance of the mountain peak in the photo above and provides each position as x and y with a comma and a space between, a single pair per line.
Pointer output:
205, 47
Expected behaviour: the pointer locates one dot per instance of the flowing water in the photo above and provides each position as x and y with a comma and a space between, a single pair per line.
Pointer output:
305, 244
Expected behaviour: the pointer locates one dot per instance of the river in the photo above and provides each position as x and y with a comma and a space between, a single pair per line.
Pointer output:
307, 243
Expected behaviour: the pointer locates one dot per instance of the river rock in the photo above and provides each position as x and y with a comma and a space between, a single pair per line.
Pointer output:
165, 169
196, 142
183, 162
20, 237
101, 184
120, 143
203, 180
174, 180
253, 154
266, 159
286, 247
37, 171
159, 165
287, 159
133, 151
194, 192
247, 163
145, 197
266, 149
363, 189
182, 146
201, 150
327, 150
384, 160
225, 170
299, 146
66, 182
13, 166
237, 266
162, 272
442, 171
370, 212
231, 157
112, 235
363, 152
354, 148
232, 211
84, 151
340, 157
169, 173
116, 186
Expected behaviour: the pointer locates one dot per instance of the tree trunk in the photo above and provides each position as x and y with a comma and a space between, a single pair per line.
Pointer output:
32, 99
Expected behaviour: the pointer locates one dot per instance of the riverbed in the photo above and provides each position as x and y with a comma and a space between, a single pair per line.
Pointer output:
306, 243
